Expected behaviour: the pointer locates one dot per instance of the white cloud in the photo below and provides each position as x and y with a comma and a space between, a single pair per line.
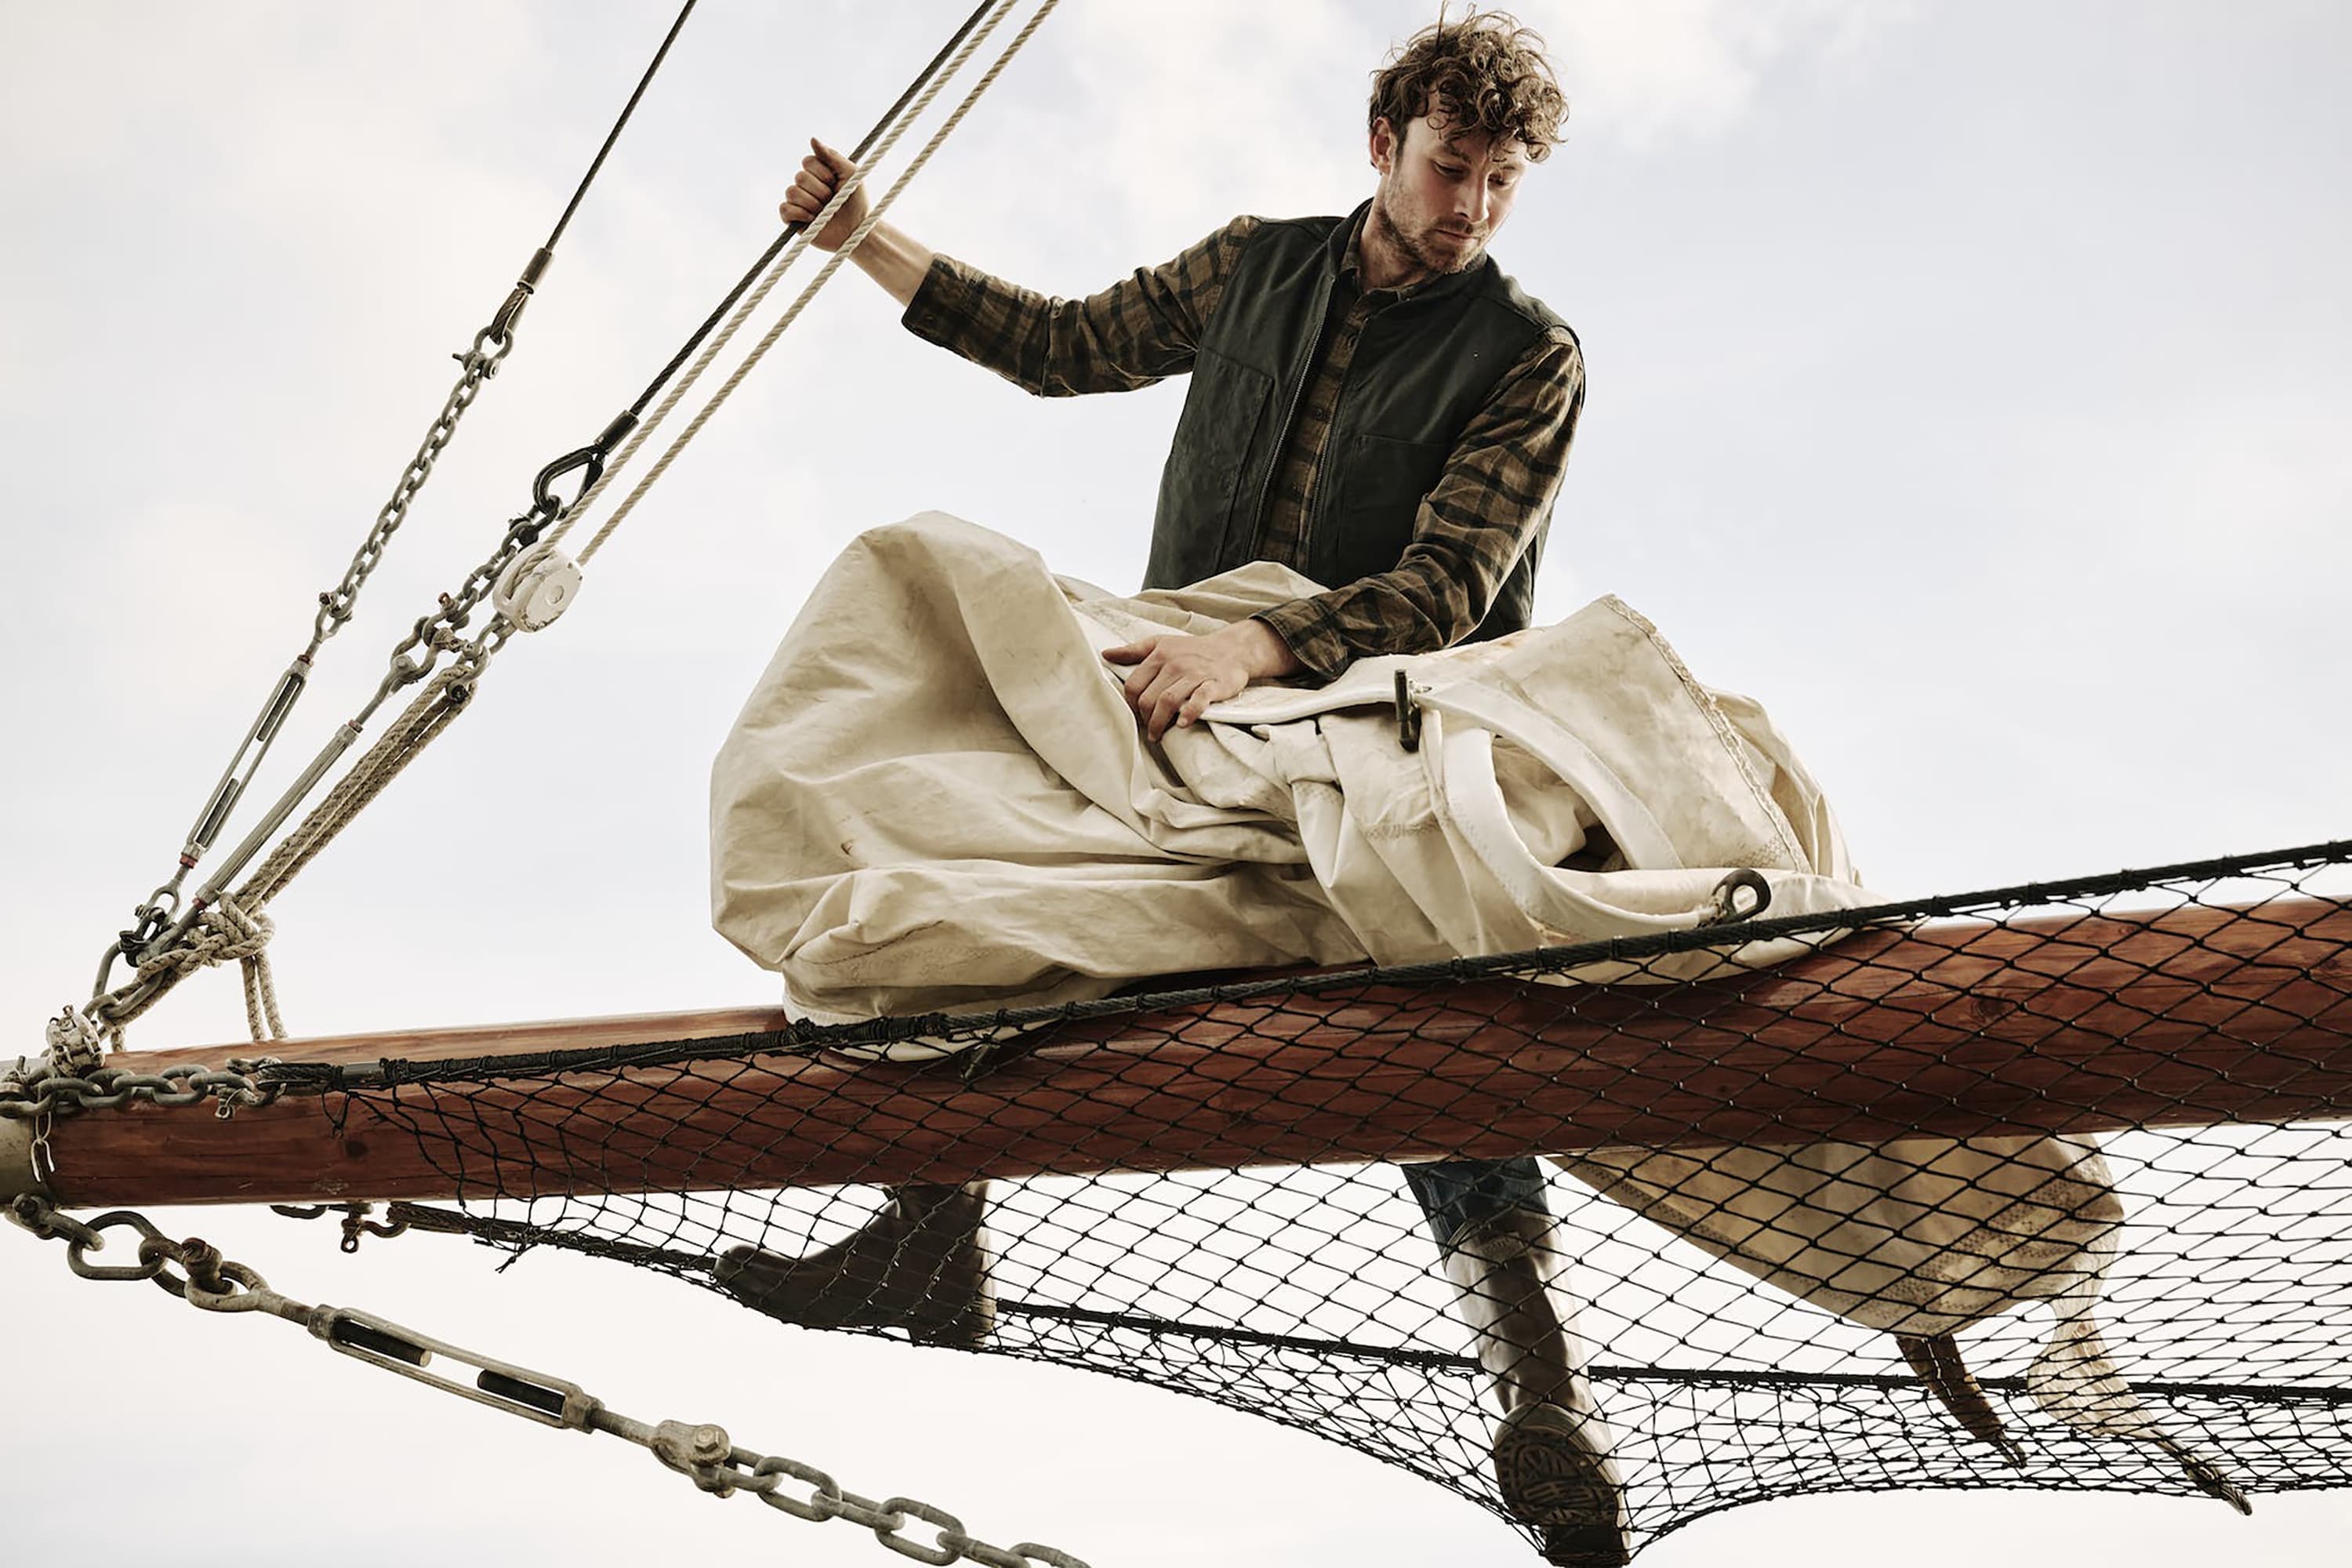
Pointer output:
1235, 104
1644, 72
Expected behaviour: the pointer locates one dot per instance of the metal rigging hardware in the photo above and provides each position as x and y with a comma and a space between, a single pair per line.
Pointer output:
195, 1271
161, 925
153, 919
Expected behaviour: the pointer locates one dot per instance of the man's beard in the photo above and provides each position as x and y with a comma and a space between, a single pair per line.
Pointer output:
1410, 245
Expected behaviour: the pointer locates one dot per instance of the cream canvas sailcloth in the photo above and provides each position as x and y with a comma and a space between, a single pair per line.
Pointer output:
937, 799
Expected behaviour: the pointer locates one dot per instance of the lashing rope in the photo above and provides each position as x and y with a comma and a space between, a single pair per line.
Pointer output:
337, 605
206, 937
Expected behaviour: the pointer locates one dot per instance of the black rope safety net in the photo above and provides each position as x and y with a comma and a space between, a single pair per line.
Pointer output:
2046, 1186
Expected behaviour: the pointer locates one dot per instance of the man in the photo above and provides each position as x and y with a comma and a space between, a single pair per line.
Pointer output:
1375, 404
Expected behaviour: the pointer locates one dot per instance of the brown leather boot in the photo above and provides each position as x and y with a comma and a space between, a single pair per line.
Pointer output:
1551, 1446
920, 1264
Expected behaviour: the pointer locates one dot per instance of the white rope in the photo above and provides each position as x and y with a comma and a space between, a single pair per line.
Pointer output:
234, 926
784, 264
230, 931
260, 997
848, 247
235, 929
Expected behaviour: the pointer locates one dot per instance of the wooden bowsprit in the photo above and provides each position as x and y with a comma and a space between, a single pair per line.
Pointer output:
2193, 1017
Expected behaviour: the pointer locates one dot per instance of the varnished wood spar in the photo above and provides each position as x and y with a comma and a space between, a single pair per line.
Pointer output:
2188, 1017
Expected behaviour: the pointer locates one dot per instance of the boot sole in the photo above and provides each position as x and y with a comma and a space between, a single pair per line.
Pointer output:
1552, 1475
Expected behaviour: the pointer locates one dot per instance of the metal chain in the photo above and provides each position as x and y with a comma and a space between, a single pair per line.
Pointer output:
39, 1090
481, 363
75, 1043
336, 605
437, 632
197, 1273
162, 956
164, 936
159, 917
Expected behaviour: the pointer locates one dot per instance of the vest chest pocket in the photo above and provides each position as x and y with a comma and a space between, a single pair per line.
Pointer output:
1372, 487
1207, 463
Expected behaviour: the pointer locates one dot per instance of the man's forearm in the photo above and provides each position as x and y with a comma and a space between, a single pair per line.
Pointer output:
1488, 510
1265, 649
895, 260
1143, 328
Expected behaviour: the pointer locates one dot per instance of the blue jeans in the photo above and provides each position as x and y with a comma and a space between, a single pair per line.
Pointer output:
1460, 1194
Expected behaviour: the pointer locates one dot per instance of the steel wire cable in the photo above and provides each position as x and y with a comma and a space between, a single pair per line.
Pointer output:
792, 314
597, 163
113, 1009
792, 231
490, 348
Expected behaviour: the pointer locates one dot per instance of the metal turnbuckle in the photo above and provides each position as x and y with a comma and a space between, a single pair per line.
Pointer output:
701, 1451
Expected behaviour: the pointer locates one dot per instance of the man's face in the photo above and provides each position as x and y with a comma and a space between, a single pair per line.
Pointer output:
1441, 197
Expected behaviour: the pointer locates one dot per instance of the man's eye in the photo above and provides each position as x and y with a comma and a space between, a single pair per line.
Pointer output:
1449, 173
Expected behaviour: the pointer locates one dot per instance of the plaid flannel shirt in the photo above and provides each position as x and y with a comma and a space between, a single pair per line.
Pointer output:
1494, 494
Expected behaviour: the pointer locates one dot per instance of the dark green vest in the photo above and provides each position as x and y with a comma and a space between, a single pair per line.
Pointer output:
1423, 369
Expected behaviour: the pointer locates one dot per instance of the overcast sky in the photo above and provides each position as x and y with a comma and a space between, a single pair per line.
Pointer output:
1966, 381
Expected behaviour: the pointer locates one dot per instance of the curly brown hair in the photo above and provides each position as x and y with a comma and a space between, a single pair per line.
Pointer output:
1482, 72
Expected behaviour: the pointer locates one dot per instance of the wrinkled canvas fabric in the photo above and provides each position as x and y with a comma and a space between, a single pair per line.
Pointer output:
937, 799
